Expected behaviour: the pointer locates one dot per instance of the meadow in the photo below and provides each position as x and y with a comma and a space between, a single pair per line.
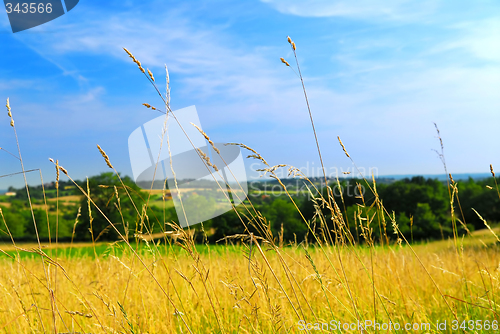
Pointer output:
253, 281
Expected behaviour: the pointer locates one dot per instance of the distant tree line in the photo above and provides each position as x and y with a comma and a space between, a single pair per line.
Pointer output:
420, 206
110, 202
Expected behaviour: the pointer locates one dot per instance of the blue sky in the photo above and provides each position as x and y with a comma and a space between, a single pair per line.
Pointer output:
378, 75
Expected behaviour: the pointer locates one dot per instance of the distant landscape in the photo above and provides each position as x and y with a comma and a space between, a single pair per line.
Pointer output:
421, 206
391, 178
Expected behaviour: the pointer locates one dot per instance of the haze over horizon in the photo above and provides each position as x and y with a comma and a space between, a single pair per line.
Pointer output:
377, 76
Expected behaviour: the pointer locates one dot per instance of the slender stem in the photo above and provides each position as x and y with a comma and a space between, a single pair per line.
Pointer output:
324, 174
311, 117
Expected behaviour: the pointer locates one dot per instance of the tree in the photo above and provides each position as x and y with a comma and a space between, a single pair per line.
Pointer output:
15, 222
120, 213
426, 224
284, 212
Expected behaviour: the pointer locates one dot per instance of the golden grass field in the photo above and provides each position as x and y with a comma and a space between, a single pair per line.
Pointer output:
222, 291
254, 283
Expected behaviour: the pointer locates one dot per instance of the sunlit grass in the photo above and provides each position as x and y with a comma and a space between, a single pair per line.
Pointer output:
94, 287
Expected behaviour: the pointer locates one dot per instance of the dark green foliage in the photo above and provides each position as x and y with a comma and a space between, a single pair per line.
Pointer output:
16, 223
421, 206
474, 194
426, 201
225, 225
282, 211
20, 222
120, 213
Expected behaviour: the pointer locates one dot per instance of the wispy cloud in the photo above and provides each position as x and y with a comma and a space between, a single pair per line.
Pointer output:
232, 83
478, 39
207, 62
15, 84
397, 10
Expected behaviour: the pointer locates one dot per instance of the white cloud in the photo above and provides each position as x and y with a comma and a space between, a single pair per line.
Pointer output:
479, 39
13, 84
206, 63
365, 9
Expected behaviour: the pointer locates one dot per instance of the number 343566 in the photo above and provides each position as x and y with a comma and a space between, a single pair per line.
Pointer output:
26, 8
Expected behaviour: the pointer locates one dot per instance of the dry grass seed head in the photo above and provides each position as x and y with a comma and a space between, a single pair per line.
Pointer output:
284, 61
255, 156
129, 54
57, 174
206, 137
79, 313
8, 108
116, 194
294, 172
207, 159
167, 88
343, 147
135, 60
151, 75
63, 170
147, 105
59, 167
9, 112
491, 170
105, 156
